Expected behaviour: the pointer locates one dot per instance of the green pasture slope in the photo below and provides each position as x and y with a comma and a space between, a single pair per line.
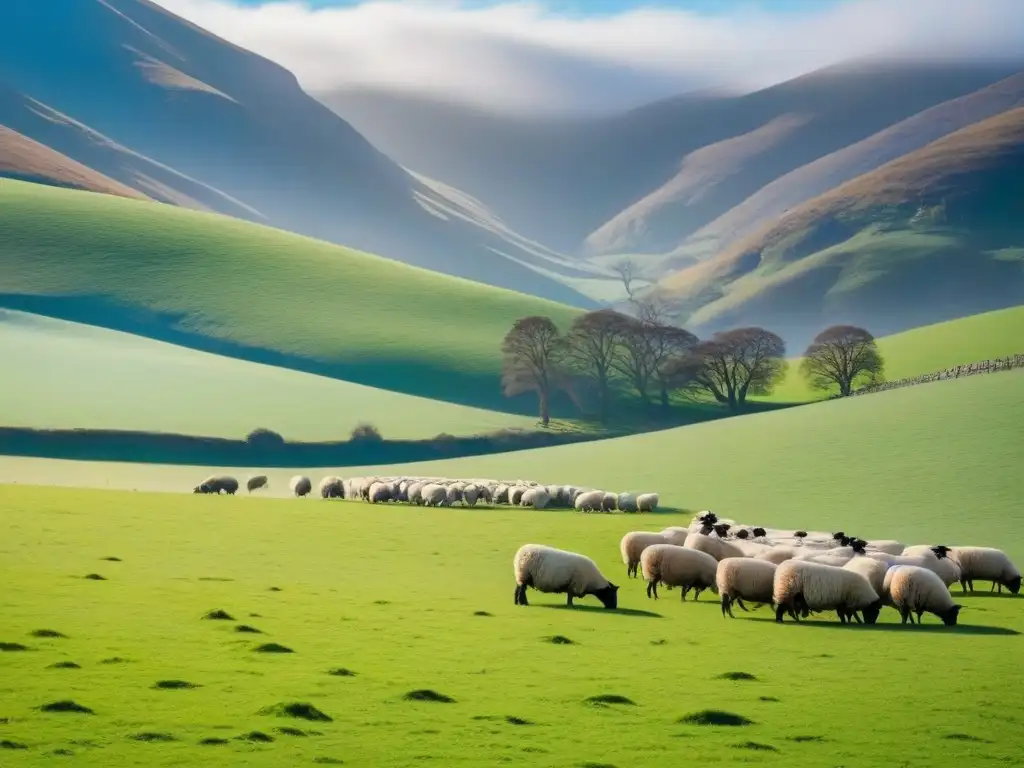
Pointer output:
223, 281
930, 348
395, 600
66, 375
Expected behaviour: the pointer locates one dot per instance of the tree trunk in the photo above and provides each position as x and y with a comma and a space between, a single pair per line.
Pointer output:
545, 415
664, 397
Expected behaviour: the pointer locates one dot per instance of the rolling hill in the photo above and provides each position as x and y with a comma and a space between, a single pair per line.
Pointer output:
561, 180
123, 82
933, 235
228, 286
66, 375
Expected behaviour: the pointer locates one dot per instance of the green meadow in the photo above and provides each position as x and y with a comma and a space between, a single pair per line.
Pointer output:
930, 348
66, 375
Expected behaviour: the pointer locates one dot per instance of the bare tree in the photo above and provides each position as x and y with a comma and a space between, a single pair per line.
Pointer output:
592, 346
842, 356
648, 344
734, 364
626, 270
531, 351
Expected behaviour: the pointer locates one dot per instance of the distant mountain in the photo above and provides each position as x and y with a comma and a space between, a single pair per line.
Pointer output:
935, 234
644, 180
181, 115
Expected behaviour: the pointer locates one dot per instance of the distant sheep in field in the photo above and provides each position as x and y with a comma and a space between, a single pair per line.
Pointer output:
217, 484
332, 487
590, 501
300, 485
717, 548
744, 578
547, 569
677, 567
535, 497
632, 546
628, 502
256, 482
647, 502
379, 493
515, 494
434, 495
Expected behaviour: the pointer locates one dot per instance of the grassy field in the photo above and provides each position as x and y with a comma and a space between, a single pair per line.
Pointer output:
930, 348
72, 376
230, 285
394, 597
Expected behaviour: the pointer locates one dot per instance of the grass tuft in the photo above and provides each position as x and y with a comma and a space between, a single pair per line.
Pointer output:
715, 717
559, 640
297, 709
47, 633
513, 720
806, 739
767, 698
249, 629
152, 736
328, 761
211, 741
219, 615
94, 577
175, 685
288, 730
273, 648
736, 676
65, 705
112, 559
604, 699
257, 737
341, 672
965, 737
8, 744
756, 746
482, 613
115, 660
64, 665
426, 694
13, 647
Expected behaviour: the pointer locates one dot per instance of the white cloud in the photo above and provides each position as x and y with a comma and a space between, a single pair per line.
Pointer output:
519, 56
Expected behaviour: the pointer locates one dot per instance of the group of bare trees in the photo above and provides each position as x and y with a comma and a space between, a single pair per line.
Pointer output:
611, 351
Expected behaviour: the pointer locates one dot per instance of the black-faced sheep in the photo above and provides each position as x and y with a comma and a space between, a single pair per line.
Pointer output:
547, 569
217, 484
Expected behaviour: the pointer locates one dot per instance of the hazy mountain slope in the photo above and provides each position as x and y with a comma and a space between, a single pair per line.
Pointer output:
823, 174
23, 158
557, 181
933, 235
239, 123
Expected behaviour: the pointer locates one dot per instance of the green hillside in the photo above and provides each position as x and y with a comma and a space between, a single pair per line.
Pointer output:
930, 348
932, 463
69, 376
252, 291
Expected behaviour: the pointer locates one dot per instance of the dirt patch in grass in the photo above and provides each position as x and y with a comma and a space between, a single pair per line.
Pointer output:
559, 640
12, 647
297, 709
47, 633
94, 577
806, 739
756, 746
115, 660
219, 615
604, 699
513, 720
715, 717
426, 694
273, 589
64, 665
288, 730
328, 761
213, 741
175, 685
249, 629
273, 648
965, 737
341, 672
112, 559
257, 737
65, 705
767, 698
152, 736
8, 744
736, 676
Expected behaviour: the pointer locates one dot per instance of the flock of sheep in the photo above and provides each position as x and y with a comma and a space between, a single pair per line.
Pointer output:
796, 572
444, 492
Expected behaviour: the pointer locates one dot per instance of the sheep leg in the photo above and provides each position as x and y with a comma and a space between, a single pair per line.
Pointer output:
568, 601
652, 589
919, 612
696, 593
685, 592
857, 618
780, 612
842, 616
739, 602
905, 615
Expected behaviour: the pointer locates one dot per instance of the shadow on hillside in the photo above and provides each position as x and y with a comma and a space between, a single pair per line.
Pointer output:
636, 612
986, 596
959, 629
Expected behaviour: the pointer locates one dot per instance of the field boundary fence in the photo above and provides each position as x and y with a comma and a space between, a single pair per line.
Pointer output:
993, 365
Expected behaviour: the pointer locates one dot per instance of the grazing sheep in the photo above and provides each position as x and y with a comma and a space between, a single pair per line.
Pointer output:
538, 498
872, 570
987, 564
515, 494
647, 502
913, 589
633, 545
628, 502
825, 559
501, 494
470, 494
608, 502
415, 492
886, 545
454, 494
946, 569
778, 555
750, 548
717, 548
547, 569
217, 484
256, 482
675, 534
434, 495
332, 487
379, 493
589, 501
743, 578
300, 485
801, 587
677, 567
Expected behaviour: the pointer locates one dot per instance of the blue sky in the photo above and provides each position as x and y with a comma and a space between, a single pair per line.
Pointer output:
604, 7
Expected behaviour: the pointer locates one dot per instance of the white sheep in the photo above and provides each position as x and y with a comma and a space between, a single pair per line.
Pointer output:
633, 545
547, 569
415, 492
589, 501
910, 588
454, 494
515, 494
801, 587
501, 494
750, 548
987, 564
608, 502
945, 568
872, 570
256, 482
889, 546
677, 567
627, 502
379, 493
537, 498
470, 494
647, 502
434, 495
778, 555
744, 578
332, 487
300, 485
717, 548
826, 559
675, 534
